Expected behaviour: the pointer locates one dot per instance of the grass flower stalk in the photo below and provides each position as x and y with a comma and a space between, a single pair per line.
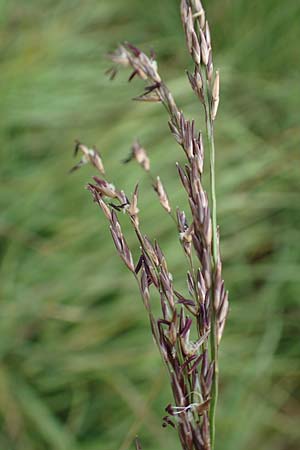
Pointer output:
192, 364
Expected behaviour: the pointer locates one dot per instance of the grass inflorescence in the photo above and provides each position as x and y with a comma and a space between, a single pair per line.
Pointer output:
192, 363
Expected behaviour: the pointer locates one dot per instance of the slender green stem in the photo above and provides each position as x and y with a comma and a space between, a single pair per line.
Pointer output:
211, 142
214, 331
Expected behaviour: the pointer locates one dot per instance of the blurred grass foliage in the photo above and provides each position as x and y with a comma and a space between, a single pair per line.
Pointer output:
78, 368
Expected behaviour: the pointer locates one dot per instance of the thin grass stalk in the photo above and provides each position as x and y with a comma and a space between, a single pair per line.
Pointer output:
214, 334
215, 251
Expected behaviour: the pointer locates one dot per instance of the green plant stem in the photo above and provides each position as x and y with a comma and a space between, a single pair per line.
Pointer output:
214, 332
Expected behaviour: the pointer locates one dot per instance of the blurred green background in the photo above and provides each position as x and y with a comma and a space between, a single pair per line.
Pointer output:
78, 368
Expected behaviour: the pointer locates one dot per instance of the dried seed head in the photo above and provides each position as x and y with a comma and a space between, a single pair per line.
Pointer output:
216, 86
159, 253
120, 242
186, 236
140, 155
173, 333
149, 97
142, 65
117, 240
209, 375
153, 71
181, 220
192, 348
148, 263
191, 80
198, 8
186, 240
210, 68
199, 13
167, 288
120, 56
207, 35
205, 431
184, 179
189, 304
223, 309
152, 89
133, 209
150, 251
206, 270
162, 195
184, 10
145, 288
201, 408
176, 133
188, 133
201, 288
215, 96
196, 50
190, 284
105, 188
222, 316
189, 29
199, 163
199, 81
97, 161
207, 230
90, 155
103, 205
204, 49
128, 259
185, 343
218, 285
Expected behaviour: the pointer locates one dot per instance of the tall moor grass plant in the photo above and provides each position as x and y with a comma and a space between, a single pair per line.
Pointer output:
189, 329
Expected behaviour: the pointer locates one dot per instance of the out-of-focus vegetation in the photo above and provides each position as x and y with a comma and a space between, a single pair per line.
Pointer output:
78, 368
